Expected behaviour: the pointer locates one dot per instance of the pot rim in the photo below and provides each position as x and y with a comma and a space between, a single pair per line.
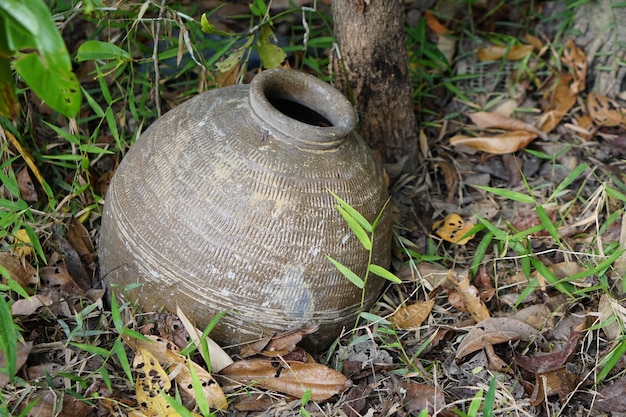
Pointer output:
309, 92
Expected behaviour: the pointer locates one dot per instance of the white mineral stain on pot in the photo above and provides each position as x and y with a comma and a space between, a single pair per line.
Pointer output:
345, 239
202, 123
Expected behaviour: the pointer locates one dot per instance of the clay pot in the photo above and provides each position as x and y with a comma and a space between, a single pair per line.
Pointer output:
224, 204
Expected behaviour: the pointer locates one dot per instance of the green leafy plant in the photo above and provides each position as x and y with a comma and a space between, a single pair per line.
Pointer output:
365, 233
32, 45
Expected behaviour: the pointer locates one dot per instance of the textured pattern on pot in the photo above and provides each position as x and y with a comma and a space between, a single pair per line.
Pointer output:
223, 204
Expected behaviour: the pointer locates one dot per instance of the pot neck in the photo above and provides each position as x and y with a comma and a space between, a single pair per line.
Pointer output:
300, 109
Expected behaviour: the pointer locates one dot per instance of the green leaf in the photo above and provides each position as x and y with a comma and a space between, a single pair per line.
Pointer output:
8, 339
120, 352
611, 360
271, 54
383, 273
611, 192
210, 29
547, 223
19, 13
44, 63
201, 400
101, 50
356, 229
353, 212
258, 8
352, 277
573, 176
235, 57
511, 195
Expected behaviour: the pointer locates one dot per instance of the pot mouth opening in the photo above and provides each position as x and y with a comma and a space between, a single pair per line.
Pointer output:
301, 109
299, 112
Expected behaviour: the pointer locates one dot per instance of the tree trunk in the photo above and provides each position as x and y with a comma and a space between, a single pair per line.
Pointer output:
372, 70
603, 36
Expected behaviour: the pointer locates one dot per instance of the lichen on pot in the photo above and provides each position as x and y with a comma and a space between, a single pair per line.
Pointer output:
224, 204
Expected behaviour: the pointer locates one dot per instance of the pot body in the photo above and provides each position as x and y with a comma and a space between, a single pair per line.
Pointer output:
224, 204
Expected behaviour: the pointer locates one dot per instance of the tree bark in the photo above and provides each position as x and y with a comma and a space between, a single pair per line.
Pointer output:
603, 36
371, 69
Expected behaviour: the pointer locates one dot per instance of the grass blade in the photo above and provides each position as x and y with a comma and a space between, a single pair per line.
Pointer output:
352, 277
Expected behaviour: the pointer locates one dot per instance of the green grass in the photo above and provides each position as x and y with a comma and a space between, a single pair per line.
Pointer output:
122, 94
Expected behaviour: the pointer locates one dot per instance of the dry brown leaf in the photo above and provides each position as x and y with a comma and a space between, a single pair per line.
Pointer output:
561, 101
534, 41
27, 306
470, 296
611, 314
557, 382
487, 120
80, 239
58, 278
451, 178
453, 229
413, 315
292, 378
507, 142
612, 398
27, 188
604, 111
536, 315
422, 397
21, 272
434, 24
23, 350
217, 357
513, 53
493, 331
575, 58
550, 361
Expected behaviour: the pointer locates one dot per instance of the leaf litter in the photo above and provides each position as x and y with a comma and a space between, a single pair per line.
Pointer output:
451, 328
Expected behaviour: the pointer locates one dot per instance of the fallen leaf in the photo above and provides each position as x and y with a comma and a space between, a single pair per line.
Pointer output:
611, 315
434, 24
453, 229
27, 188
536, 315
355, 400
450, 177
493, 331
165, 352
486, 120
470, 296
561, 101
507, 142
534, 41
23, 350
152, 382
218, 359
550, 361
612, 399
57, 277
292, 378
21, 272
23, 245
80, 240
575, 58
556, 382
27, 306
511, 53
413, 315
422, 397
604, 111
